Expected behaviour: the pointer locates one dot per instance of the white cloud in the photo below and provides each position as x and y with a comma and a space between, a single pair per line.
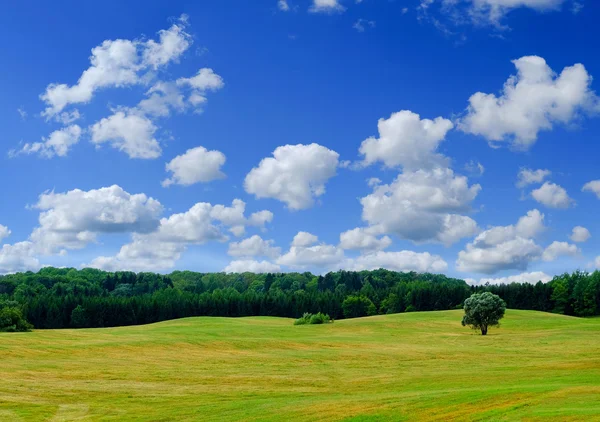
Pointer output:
597, 262
533, 100
475, 168
254, 246
305, 253
580, 234
397, 261
552, 195
326, 6
17, 258
295, 175
22, 113
485, 12
529, 177
4, 232
558, 249
304, 239
504, 247
593, 186
173, 42
530, 278
57, 144
72, 219
494, 10
422, 206
406, 140
118, 63
127, 132
197, 165
361, 239
361, 24
162, 248
141, 255
283, 5
257, 267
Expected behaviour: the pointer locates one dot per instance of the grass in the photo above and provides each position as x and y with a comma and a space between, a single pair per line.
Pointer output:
417, 366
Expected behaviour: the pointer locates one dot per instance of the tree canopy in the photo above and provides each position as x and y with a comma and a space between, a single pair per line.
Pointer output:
483, 310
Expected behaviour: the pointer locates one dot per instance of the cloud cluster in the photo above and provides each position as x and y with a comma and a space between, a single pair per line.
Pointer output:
533, 100
422, 206
531, 278
408, 141
202, 223
504, 247
296, 174
197, 165
119, 63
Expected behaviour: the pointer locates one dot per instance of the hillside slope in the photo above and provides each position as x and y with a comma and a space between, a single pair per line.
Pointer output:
418, 366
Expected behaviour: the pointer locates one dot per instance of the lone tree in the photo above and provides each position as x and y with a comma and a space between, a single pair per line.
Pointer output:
483, 310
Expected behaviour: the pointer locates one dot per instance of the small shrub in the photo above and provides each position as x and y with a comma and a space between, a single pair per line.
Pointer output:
318, 318
12, 320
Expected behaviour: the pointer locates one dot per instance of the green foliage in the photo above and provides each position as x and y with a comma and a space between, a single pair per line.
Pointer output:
11, 318
318, 318
483, 310
48, 298
79, 317
358, 306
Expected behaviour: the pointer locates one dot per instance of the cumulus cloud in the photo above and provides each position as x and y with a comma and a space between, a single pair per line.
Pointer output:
72, 219
580, 234
529, 177
407, 140
283, 5
552, 195
422, 206
504, 247
326, 6
142, 254
132, 130
304, 239
593, 186
360, 239
397, 261
18, 257
530, 278
118, 63
4, 232
295, 175
127, 132
305, 252
558, 249
251, 266
197, 165
254, 246
162, 248
57, 143
533, 100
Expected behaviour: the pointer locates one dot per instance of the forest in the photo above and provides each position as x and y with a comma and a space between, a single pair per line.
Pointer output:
71, 298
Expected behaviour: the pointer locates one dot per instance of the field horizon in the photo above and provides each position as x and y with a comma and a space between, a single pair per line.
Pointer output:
411, 366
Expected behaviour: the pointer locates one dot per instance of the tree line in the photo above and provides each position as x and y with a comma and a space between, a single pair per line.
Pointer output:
67, 297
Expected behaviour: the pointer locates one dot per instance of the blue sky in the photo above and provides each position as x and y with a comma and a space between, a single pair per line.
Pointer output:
130, 130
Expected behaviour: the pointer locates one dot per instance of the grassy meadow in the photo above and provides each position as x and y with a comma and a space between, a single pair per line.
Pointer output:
416, 366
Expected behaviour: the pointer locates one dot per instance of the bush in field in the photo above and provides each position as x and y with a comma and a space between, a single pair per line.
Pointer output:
318, 318
12, 320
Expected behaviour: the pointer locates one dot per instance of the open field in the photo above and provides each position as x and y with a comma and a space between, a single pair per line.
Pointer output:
418, 366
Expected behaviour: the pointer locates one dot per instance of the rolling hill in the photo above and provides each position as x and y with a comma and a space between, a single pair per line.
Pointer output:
413, 366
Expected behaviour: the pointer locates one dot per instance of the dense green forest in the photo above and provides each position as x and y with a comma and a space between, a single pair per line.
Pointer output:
66, 297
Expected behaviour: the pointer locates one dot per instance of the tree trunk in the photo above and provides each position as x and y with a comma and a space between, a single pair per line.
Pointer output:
484, 331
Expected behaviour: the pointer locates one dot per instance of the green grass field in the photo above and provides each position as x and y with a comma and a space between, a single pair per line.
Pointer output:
418, 366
